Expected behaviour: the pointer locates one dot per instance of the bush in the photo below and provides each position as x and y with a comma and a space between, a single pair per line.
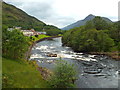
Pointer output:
64, 75
36, 36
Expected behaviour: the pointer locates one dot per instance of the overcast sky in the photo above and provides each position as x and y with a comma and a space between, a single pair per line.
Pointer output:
64, 12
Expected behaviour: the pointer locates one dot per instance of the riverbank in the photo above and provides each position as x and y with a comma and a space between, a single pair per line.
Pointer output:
113, 55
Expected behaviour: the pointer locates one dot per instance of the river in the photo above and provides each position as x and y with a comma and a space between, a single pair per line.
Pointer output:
94, 71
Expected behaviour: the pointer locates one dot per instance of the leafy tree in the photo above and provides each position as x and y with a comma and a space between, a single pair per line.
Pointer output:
53, 32
89, 25
99, 23
115, 31
15, 44
64, 75
118, 46
104, 41
31, 37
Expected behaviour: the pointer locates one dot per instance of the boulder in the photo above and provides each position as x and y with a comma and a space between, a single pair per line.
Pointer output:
98, 75
87, 63
52, 55
93, 71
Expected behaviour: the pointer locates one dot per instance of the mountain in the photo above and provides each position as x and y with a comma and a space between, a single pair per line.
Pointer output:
13, 16
83, 22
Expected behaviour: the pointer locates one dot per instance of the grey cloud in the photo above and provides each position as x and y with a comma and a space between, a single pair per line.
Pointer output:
113, 18
45, 12
18, 3
60, 21
41, 10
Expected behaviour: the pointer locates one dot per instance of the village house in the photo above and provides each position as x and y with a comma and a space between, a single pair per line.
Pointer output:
31, 32
28, 32
17, 27
14, 28
10, 29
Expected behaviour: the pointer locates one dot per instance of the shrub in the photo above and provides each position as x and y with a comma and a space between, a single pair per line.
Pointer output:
36, 36
64, 75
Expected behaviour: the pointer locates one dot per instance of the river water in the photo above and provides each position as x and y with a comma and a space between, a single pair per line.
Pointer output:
94, 71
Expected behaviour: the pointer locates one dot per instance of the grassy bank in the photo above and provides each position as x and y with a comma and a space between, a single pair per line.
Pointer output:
21, 74
39, 37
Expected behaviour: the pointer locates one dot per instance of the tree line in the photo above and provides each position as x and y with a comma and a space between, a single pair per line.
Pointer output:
96, 36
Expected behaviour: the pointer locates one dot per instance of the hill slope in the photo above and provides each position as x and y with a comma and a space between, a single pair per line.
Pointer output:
13, 16
83, 22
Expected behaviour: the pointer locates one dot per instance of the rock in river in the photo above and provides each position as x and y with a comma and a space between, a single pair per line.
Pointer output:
94, 71
52, 55
87, 63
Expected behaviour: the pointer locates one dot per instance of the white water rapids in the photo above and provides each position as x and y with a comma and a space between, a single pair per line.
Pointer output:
107, 76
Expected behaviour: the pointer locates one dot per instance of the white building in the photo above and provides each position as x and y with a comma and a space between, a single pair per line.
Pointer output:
14, 28
10, 29
17, 28
31, 32
28, 32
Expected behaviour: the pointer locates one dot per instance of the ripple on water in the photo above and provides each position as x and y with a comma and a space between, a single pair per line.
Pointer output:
35, 56
42, 47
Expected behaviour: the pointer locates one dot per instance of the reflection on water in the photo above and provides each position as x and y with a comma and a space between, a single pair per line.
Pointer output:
94, 71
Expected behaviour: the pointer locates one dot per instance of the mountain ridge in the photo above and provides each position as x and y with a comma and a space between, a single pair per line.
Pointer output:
83, 22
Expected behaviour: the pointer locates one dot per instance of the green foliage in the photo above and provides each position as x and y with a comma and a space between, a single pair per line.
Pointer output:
64, 75
31, 38
87, 40
15, 44
118, 46
97, 23
96, 35
36, 36
53, 32
115, 31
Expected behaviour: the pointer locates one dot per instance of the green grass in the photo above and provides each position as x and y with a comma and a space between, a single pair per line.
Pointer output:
20, 74
40, 37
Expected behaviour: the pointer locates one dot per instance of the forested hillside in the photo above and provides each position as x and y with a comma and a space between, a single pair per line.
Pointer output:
96, 36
